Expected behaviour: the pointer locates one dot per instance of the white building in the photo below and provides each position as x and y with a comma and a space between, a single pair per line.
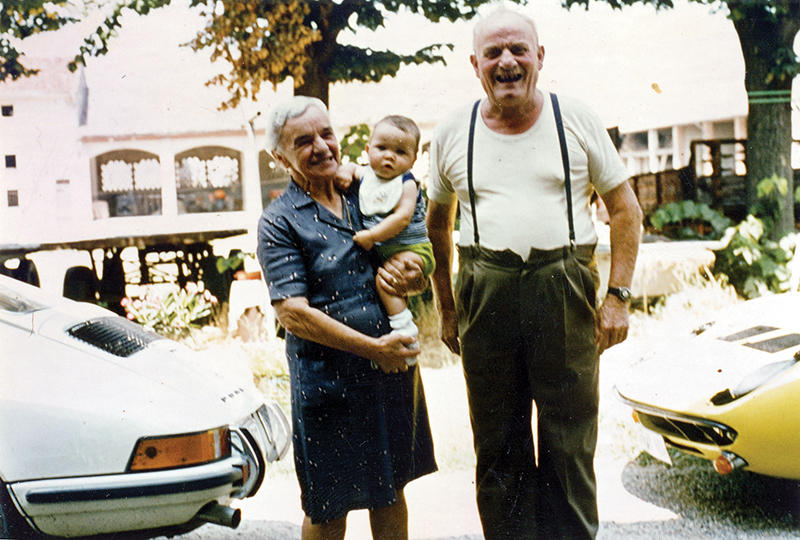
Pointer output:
135, 146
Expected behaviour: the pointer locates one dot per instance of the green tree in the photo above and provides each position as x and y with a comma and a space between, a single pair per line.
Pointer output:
22, 19
264, 41
766, 31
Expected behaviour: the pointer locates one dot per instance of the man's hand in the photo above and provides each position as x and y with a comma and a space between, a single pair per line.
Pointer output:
402, 275
611, 323
448, 331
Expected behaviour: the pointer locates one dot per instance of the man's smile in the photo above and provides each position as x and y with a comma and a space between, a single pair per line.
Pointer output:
508, 76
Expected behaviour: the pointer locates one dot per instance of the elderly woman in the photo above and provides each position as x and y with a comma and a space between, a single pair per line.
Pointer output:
360, 433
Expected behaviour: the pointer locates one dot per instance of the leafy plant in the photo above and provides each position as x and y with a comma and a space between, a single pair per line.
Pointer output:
753, 263
354, 143
769, 193
689, 220
233, 262
172, 315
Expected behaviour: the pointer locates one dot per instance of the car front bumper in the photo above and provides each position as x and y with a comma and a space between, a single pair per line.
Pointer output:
90, 505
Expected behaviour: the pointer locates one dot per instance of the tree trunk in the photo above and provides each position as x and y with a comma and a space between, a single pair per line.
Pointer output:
315, 82
330, 22
769, 119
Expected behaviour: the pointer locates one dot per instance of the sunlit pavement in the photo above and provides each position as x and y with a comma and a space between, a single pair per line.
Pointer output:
441, 507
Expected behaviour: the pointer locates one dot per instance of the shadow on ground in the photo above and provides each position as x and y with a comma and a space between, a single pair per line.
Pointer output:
709, 505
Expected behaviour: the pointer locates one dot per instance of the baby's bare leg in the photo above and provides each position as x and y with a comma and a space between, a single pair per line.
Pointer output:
394, 303
400, 318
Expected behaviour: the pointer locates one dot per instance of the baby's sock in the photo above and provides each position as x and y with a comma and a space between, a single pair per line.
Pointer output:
403, 324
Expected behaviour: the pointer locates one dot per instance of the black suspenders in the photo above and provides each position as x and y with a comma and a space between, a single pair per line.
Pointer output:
564, 159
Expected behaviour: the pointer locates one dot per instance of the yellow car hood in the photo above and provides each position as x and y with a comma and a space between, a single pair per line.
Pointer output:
685, 373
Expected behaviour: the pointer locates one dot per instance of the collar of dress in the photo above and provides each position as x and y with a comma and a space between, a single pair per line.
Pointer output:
301, 199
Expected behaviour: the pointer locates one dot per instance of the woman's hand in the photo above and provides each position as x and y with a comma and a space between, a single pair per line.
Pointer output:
391, 354
402, 275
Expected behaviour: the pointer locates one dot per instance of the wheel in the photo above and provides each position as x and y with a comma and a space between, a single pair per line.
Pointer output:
12, 524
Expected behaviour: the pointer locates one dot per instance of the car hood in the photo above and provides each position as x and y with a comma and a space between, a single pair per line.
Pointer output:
63, 399
162, 366
686, 372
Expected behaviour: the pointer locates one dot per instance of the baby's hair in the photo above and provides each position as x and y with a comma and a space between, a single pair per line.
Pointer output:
404, 124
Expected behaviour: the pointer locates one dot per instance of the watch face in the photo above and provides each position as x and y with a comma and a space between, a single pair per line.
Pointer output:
623, 293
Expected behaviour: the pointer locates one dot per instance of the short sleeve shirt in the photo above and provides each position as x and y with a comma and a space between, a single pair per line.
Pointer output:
519, 179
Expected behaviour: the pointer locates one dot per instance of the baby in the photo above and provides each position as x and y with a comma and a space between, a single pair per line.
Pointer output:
392, 208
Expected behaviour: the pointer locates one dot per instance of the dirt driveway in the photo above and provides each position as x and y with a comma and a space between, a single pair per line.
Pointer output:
638, 498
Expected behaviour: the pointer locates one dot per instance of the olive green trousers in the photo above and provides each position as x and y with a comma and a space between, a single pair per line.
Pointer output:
527, 336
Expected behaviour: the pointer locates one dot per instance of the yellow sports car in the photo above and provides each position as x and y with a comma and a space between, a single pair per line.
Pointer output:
730, 392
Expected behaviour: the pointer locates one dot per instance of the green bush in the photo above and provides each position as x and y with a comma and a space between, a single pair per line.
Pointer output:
172, 315
354, 143
685, 220
753, 263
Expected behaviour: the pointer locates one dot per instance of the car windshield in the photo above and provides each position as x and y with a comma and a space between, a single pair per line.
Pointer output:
17, 302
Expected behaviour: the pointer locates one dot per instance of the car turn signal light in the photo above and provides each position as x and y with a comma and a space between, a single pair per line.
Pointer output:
181, 450
727, 462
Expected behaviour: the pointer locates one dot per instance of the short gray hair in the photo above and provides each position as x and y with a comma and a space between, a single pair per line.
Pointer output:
283, 111
502, 11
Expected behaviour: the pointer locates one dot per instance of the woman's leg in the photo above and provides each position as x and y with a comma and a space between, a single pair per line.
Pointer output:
332, 530
391, 522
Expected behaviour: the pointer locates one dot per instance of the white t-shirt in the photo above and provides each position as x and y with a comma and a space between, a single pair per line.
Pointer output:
519, 179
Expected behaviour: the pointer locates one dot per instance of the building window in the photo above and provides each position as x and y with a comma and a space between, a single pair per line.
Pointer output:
11, 161
13, 197
209, 180
128, 184
8, 110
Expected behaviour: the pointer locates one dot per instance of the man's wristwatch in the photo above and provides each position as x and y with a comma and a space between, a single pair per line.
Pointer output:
623, 293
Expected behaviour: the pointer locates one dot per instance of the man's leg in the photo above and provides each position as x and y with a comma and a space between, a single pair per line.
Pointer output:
499, 400
564, 378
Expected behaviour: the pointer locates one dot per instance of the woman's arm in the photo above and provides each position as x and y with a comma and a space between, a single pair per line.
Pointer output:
394, 223
302, 320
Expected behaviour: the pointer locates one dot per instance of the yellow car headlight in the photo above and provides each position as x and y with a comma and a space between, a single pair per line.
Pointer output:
152, 453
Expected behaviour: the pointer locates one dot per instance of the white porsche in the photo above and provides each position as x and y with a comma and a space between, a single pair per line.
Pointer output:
106, 427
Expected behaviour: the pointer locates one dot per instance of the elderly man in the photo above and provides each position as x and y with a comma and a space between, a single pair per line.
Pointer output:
523, 315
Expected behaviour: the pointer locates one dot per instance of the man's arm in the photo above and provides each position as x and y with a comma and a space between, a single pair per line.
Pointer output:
440, 221
625, 221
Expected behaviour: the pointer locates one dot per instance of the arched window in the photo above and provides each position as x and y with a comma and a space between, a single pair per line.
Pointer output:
274, 178
209, 179
127, 183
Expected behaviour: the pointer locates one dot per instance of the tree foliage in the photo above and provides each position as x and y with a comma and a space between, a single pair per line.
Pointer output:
22, 19
263, 41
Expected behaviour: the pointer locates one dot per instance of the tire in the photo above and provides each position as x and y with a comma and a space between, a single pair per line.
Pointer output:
12, 524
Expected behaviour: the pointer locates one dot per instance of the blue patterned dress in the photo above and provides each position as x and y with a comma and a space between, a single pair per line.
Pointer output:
359, 434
